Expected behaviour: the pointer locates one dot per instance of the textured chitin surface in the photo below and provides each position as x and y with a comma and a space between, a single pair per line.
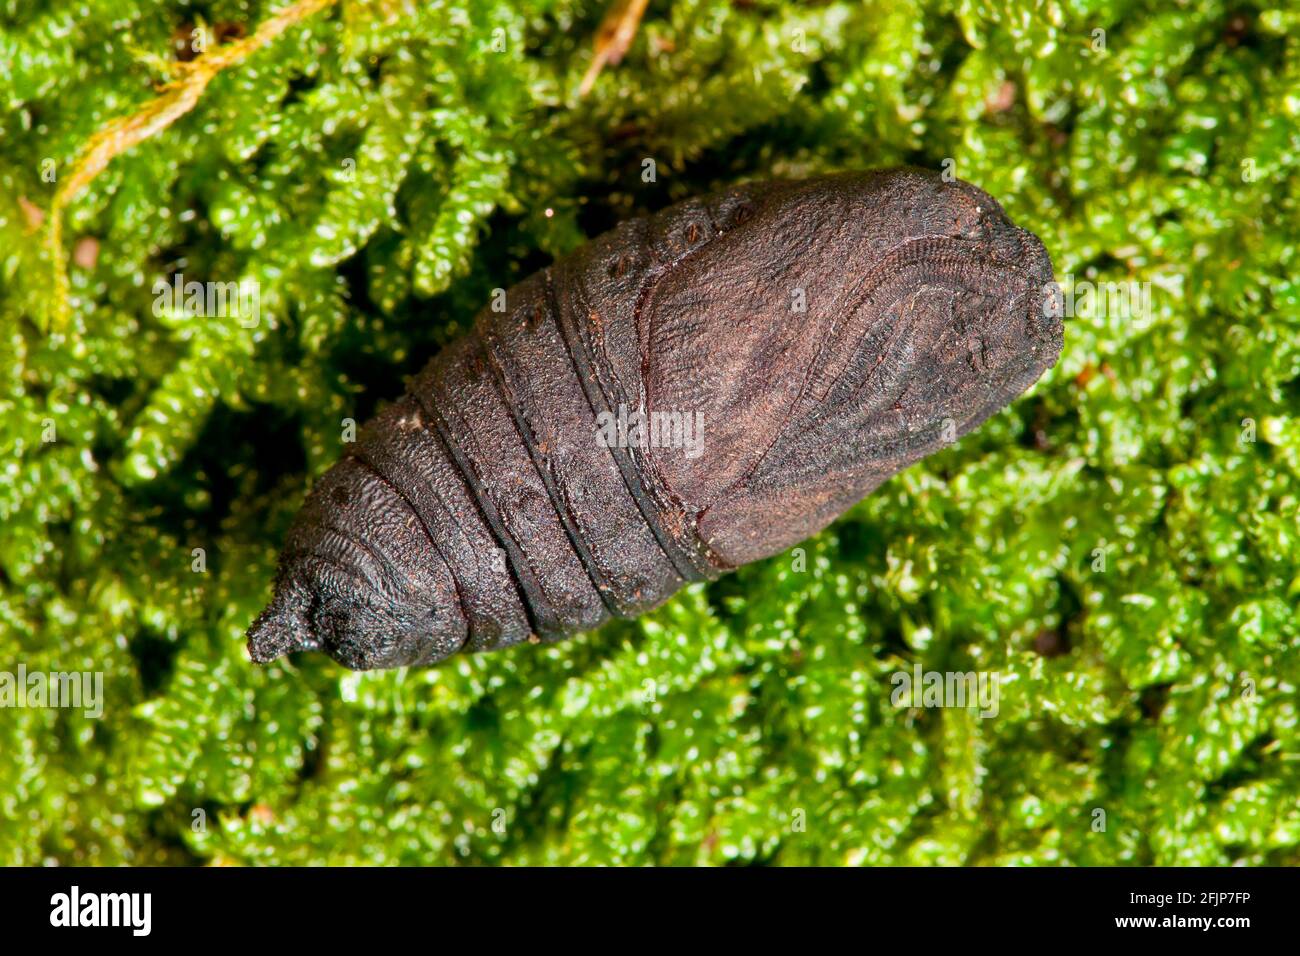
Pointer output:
800, 342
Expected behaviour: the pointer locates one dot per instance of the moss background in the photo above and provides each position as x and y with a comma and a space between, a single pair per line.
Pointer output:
748, 721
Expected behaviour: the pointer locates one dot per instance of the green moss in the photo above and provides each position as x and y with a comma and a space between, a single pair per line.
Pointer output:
1121, 546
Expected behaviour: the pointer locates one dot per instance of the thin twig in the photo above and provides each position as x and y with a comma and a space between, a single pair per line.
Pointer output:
613, 39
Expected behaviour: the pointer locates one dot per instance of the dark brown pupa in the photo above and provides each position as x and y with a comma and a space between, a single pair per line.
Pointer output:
812, 339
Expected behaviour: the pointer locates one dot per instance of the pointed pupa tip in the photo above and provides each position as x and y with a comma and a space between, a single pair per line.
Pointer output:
279, 630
